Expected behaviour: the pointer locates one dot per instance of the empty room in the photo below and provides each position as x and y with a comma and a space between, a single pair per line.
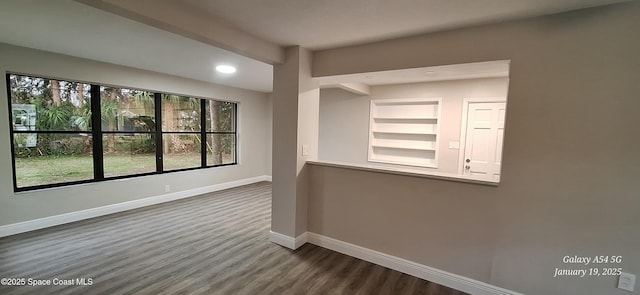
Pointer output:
319, 147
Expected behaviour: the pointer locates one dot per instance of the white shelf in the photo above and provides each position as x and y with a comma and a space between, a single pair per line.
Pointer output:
396, 143
403, 128
408, 132
404, 131
405, 118
403, 148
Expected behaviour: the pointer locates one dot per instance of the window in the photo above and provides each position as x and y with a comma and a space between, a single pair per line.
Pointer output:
220, 132
57, 140
181, 135
128, 131
404, 131
51, 131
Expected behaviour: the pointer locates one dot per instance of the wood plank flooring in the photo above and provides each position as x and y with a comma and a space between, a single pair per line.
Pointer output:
216, 243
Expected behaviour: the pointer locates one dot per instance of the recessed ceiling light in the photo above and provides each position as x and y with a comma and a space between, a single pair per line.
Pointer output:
226, 69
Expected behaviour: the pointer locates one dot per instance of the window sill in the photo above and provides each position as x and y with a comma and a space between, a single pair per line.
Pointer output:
403, 171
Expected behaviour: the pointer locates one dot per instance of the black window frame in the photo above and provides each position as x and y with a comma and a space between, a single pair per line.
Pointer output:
97, 134
99, 150
234, 132
163, 132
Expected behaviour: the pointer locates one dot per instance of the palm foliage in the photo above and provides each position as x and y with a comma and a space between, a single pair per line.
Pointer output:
59, 106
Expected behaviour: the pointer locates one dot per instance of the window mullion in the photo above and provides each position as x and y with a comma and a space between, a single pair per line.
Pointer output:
158, 113
235, 132
96, 133
203, 133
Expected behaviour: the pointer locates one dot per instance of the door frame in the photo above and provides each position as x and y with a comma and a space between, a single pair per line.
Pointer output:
464, 122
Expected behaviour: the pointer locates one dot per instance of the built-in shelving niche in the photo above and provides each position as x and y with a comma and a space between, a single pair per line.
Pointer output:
404, 131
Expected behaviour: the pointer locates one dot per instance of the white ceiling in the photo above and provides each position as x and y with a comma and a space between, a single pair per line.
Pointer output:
72, 28
332, 23
69, 27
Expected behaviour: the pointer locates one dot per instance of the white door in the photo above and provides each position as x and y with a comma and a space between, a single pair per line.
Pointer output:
483, 143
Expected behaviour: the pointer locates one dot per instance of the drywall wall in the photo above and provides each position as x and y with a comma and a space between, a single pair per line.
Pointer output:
269, 147
295, 122
285, 143
570, 164
344, 117
17, 207
344, 126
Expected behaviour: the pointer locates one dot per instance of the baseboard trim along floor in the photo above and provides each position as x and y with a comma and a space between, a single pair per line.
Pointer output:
431, 274
35, 224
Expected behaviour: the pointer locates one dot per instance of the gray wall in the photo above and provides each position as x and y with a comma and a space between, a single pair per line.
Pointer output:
570, 165
17, 207
295, 123
344, 126
269, 147
344, 117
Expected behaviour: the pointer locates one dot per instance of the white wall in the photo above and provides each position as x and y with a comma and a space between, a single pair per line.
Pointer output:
295, 122
569, 183
17, 207
344, 117
269, 147
344, 126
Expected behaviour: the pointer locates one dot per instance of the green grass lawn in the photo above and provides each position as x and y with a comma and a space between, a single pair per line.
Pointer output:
57, 169
47, 170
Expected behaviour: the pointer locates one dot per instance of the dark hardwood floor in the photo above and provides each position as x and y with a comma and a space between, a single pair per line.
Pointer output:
216, 243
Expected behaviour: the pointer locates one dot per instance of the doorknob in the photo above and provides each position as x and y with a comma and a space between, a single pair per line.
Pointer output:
467, 167
468, 160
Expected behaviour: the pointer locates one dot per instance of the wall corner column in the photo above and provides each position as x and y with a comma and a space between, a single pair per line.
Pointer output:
295, 125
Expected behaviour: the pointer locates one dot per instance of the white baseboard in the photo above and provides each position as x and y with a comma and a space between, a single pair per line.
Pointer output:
431, 274
25, 226
268, 178
301, 240
287, 241
282, 240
